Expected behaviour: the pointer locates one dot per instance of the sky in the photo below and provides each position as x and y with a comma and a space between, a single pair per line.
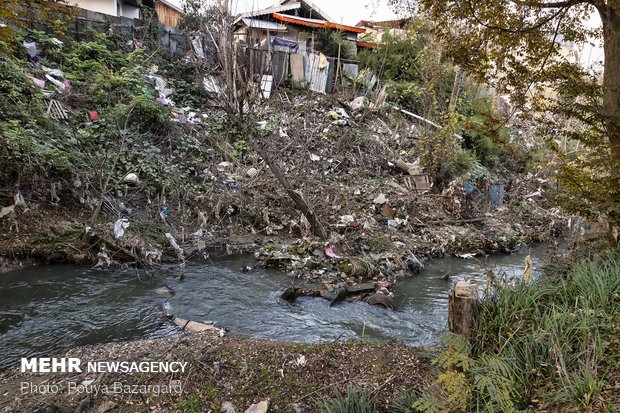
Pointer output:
342, 11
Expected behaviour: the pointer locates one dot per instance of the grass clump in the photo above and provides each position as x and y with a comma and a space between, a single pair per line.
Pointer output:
356, 401
549, 344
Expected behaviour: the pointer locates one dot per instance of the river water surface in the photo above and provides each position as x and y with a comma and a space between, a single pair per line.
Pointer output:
44, 310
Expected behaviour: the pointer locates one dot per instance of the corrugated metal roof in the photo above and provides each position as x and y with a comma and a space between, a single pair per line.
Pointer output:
270, 10
263, 24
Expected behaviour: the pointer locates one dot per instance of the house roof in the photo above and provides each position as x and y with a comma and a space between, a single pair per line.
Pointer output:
393, 24
320, 24
263, 24
310, 6
268, 11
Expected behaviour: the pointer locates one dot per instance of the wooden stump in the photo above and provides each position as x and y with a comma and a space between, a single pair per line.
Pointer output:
461, 307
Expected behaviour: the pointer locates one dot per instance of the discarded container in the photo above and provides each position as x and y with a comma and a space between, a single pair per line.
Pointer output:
252, 172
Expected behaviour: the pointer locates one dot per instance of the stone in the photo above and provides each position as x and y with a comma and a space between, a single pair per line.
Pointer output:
227, 407
261, 407
106, 407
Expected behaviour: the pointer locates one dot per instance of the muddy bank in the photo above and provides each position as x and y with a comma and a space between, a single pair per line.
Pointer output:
229, 369
361, 177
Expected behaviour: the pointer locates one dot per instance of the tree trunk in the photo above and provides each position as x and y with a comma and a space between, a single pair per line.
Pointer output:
611, 78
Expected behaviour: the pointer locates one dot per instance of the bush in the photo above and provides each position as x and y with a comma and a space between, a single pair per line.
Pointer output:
541, 344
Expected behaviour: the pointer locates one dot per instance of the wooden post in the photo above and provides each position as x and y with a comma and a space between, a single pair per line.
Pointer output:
461, 307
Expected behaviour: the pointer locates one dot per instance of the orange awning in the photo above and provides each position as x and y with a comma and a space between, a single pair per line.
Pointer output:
319, 24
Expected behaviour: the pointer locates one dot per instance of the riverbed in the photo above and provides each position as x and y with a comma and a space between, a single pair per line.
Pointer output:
45, 310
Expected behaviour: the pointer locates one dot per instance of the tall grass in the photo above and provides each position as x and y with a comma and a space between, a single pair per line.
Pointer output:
543, 343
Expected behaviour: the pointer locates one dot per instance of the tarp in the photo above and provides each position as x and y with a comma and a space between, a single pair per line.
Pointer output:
284, 45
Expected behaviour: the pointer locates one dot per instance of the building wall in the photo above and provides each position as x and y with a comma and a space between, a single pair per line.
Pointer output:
130, 11
168, 16
100, 6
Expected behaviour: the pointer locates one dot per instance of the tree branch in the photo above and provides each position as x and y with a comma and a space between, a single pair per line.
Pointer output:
536, 26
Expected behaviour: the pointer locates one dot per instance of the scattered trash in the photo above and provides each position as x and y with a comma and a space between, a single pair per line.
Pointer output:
392, 223
341, 122
175, 246
314, 157
497, 194
466, 256
329, 251
333, 115
379, 200
93, 116
252, 172
246, 268
164, 212
358, 103
38, 82
347, 219
31, 47
265, 86
301, 360
282, 133
6, 210
388, 211
56, 110
119, 227
533, 195
224, 165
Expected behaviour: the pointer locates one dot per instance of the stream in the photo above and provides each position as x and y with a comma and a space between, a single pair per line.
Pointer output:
45, 310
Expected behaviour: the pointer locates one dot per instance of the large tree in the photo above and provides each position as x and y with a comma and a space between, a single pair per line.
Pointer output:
519, 46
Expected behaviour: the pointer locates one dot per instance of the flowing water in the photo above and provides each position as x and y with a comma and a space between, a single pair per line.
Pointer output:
44, 310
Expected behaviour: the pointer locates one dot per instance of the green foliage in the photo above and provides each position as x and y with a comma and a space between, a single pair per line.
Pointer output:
329, 42
412, 66
542, 342
356, 401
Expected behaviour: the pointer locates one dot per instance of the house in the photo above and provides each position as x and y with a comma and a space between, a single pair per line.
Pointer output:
295, 22
168, 13
374, 30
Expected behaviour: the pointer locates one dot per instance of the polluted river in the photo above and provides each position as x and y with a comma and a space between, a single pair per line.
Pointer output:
44, 310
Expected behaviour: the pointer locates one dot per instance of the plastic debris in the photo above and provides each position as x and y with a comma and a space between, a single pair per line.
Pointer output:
175, 247
119, 227
379, 200
38, 82
164, 212
131, 178
329, 251
358, 103
93, 116
252, 172
32, 48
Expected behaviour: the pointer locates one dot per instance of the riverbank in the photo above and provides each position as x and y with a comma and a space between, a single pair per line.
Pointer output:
293, 377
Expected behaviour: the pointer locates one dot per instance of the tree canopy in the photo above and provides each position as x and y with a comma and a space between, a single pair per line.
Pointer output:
523, 48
